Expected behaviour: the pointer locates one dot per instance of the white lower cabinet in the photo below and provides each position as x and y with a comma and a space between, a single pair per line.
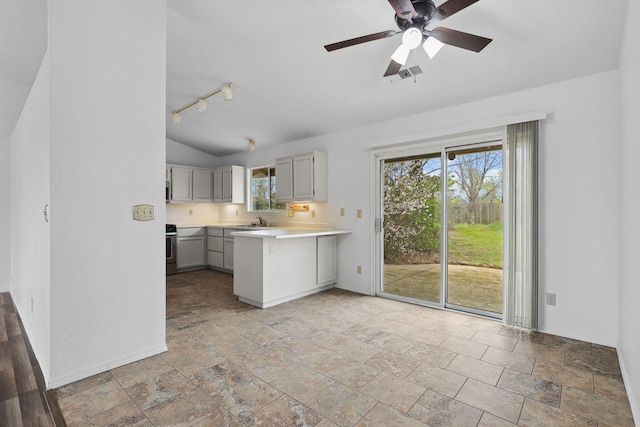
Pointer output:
220, 248
191, 246
326, 260
228, 254
215, 247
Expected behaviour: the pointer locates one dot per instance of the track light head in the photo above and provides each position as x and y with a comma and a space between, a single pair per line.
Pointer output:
227, 93
202, 105
176, 117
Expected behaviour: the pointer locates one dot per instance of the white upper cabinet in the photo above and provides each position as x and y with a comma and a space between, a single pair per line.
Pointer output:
284, 179
201, 185
217, 185
189, 184
228, 184
302, 178
181, 184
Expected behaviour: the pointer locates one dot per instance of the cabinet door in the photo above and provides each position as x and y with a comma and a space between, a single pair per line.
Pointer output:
326, 260
303, 177
201, 185
181, 189
190, 252
227, 185
215, 259
217, 185
228, 254
284, 179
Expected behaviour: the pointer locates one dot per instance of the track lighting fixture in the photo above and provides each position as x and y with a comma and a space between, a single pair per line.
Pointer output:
201, 104
251, 145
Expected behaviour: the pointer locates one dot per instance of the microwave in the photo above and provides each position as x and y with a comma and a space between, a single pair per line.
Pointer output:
167, 191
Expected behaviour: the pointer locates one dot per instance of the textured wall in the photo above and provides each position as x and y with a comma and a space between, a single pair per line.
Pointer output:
30, 234
577, 140
5, 215
107, 155
628, 225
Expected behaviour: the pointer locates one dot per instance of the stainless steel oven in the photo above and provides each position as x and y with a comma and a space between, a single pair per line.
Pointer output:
171, 251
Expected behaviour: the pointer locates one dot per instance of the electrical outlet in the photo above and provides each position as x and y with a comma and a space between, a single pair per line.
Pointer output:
290, 212
359, 213
359, 269
313, 213
272, 248
341, 211
551, 298
236, 212
190, 211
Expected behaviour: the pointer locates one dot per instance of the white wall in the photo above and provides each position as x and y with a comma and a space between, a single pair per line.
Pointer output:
180, 154
5, 215
578, 249
629, 206
30, 233
107, 155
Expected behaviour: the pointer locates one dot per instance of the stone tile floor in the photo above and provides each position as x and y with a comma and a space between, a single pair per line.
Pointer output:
339, 358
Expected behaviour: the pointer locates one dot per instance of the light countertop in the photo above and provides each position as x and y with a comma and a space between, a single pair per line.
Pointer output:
287, 233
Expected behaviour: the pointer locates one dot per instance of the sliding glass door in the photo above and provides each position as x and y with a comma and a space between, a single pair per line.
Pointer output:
474, 230
412, 224
441, 228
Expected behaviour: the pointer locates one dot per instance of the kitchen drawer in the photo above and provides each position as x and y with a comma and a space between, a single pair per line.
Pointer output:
215, 243
190, 231
215, 259
215, 231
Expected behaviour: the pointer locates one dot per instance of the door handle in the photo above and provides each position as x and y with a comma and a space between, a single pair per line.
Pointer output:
46, 213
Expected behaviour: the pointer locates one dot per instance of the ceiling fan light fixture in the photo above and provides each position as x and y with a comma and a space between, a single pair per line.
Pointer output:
202, 105
401, 54
176, 118
251, 145
412, 38
227, 93
432, 46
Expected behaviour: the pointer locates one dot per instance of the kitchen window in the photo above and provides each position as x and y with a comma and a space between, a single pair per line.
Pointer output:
262, 188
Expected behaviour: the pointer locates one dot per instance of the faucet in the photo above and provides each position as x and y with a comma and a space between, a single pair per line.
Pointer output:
263, 223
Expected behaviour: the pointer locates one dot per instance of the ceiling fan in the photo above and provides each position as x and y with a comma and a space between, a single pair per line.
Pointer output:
412, 17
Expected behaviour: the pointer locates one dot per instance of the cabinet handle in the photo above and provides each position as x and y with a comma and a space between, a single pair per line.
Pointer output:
46, 213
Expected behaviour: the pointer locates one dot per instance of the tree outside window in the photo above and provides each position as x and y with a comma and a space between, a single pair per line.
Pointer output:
263, 190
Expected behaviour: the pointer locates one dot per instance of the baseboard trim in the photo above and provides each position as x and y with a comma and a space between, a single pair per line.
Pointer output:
633, 402
97, 369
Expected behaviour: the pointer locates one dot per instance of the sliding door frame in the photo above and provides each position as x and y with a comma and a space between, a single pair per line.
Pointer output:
417, 148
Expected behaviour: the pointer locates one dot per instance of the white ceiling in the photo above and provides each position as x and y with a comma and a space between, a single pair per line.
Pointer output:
287, 87
23, 42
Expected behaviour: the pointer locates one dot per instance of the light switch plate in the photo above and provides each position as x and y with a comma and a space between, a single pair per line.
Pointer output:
143, 213
359, 213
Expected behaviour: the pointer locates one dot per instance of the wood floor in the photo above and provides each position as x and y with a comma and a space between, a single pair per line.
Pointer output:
22, 398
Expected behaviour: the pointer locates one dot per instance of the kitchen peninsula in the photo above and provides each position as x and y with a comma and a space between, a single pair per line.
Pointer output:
273, 266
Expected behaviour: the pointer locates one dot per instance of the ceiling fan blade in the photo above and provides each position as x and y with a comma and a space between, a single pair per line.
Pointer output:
404, 9
460, 39
449, 8
359, 40
392, 69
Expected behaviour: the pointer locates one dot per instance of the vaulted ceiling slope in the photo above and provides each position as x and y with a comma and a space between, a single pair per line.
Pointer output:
23, 42
288, 87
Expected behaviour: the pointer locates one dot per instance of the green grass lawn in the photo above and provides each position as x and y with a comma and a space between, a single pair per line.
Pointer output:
476, 244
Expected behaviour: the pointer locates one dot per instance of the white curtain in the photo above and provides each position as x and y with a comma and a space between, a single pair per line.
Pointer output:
521, 239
